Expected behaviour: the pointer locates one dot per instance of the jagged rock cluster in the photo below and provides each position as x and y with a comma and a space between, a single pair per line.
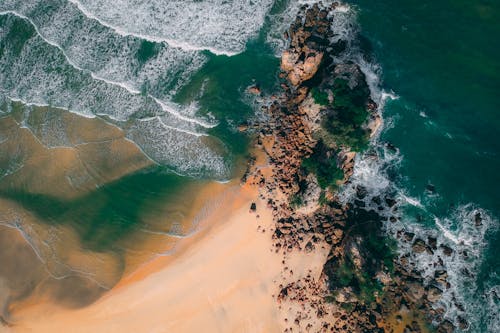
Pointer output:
290, 136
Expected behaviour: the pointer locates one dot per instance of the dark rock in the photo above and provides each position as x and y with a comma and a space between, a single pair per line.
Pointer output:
446, 327
415, 327
390, 201
409, 236
377, 200
462, 323
419, 246
361, 192
359, 203
432, 242
309, 247
433, 294
440, 276
446, 250
253, 207
430, 188
391, 147
478, 219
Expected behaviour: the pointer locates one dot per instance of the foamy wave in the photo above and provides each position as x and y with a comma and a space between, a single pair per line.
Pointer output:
219, 26
378, 172
490, 301
465, 231
370, 171
183, 152
112, 58
468, 240
39, 74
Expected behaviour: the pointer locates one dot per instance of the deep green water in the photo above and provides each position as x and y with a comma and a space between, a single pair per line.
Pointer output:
223, 82
442, 59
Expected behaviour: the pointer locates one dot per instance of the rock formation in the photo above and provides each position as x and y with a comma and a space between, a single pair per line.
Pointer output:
311, 137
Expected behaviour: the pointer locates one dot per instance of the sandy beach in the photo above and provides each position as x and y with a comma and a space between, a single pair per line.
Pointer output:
221, 279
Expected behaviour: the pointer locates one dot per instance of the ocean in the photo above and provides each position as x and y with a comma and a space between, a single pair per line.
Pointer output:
166, 85
439, 59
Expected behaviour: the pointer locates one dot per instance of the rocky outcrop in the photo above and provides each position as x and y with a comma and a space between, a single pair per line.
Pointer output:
357, 290
299, 71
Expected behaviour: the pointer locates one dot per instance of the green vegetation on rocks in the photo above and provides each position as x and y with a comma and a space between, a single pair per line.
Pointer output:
348, 113
323, 164
320, 97
375, 253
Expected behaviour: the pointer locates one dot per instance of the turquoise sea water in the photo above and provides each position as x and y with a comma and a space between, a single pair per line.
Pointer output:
441, 59
174, 77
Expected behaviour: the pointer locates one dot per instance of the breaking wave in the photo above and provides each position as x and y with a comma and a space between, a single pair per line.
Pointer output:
222, 27
459, 239
125, 61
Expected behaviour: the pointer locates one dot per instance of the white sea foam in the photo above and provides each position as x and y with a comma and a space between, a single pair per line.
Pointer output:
456, 230
183, 152
412, 201
378, 172
222, 27
40, 75
469, 242
112, 58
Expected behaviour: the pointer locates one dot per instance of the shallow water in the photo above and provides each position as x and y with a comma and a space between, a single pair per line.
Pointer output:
145, 104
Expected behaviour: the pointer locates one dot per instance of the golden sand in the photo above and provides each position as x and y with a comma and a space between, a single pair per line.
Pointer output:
223, 278
219, 280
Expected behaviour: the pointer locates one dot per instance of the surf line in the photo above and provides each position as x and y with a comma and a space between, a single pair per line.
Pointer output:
163, 105
180, 45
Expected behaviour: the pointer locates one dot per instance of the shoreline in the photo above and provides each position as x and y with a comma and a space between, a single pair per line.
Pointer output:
280, 252
224, 240
226, 277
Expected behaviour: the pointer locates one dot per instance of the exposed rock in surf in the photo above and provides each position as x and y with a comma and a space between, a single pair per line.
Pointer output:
254, 90
309, 136
448, 251
300, 70
478, 219
419, 246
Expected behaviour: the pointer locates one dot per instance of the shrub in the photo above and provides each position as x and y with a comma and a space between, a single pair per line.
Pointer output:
296, 200
320, 97
345, 274
349, 113
323, 166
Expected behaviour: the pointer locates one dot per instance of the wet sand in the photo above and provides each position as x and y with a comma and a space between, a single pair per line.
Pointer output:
44, 261
224, 277
65, 157
221, 279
